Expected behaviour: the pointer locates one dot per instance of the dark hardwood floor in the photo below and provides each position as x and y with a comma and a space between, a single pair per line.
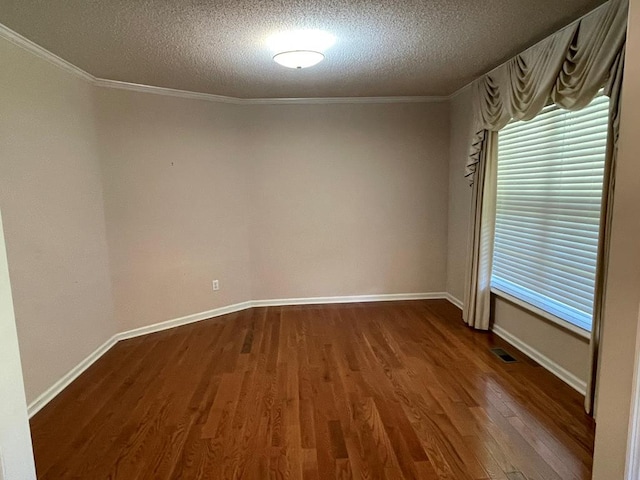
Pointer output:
385, 390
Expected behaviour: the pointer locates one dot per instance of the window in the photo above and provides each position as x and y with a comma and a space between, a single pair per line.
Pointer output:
549, 195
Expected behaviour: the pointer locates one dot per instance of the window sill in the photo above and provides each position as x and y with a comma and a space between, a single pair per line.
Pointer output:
541, 313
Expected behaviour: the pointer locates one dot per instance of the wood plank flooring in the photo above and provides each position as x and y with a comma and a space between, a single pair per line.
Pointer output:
400, 390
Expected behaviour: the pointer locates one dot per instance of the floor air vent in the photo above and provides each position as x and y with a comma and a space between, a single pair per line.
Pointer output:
503, 355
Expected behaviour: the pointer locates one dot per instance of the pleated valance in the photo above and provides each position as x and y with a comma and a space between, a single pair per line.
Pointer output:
567, 68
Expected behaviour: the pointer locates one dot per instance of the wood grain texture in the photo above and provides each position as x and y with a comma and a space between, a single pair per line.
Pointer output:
400, 390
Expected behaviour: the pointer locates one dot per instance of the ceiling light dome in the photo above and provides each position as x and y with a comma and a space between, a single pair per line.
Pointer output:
298, 58
300, 48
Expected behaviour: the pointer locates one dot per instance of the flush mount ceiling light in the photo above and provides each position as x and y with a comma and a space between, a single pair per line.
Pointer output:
299, 58
300, 48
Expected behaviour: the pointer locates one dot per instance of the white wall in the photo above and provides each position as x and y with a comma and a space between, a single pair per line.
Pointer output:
51, 199
16, 456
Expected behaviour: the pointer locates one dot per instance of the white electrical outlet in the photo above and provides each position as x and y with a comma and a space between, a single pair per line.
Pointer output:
216, 285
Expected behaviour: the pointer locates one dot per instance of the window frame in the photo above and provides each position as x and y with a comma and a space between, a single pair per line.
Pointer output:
561, 322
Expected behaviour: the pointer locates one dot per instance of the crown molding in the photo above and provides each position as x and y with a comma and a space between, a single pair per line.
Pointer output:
41, 52
172, 92
169, 92
336, 100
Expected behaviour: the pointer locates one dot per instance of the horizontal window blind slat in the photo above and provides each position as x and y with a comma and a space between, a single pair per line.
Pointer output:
548, 216
590, 189
579, 307
553, 126
552, 220
552, 170
557, 291
546, 280
550, 305
547, 144
522, 227
587, 131
546, 205
553, 197
580, 259
584, 250
549, 198
549, 120
556, 174
558, 268
529, 235
555, 182
551, 148
541, 289
589, 159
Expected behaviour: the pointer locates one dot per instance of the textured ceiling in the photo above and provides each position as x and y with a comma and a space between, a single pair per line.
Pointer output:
383, 48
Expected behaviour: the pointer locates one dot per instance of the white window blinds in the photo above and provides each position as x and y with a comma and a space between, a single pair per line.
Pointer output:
549, 194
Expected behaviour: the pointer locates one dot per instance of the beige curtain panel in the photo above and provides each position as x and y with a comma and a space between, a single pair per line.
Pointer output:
568, 68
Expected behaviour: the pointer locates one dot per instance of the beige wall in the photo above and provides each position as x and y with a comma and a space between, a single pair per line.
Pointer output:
623, 290
273, 201
564, 348
459, 191
16, 456
51, 200
176, 203
347, 199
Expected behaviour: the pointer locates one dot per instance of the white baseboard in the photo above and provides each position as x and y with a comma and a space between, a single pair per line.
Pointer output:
48, 395
35, 406
177, 322
560, 372
455, 301
389, 297
276, 302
